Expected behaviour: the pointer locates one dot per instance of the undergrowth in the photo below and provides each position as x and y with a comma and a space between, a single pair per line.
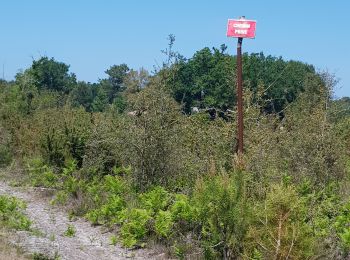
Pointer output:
11, 213
218, 219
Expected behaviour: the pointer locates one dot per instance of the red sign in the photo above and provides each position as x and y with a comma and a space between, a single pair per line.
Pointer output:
241, 28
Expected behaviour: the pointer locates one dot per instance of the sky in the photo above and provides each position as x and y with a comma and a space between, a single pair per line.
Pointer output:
92, 35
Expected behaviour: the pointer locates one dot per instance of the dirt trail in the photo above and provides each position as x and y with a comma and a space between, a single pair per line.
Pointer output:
88, 243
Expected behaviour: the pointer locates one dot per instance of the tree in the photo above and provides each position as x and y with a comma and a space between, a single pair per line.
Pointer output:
50, 74
114, 83
150, 141
83, 95
135, 80
208, 80
100, 101
203, 80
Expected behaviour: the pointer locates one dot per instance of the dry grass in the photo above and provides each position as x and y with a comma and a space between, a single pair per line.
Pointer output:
8, 251
14, 174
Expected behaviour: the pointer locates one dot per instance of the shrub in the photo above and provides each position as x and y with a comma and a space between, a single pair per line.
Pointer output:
221, 210
181, 209
109, 212
158, 158
5, 149
11, 213
155, 200
281, 230
5, 155
108, 197
163, 223
134, 226
40, 174
342, 227
53, 147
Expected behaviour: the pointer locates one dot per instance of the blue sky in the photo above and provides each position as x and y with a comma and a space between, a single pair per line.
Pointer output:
93, 35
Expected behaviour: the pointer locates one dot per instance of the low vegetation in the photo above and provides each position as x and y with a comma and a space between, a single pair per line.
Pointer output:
11, 213
131, 153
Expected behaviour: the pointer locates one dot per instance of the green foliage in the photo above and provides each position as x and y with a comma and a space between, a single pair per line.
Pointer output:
108, 213
209, 147
75, 143
5, 149
114, 240
70, 183
41, 256
121, 152
70, 231
163, 223
223, 214
52, 75
134, 226
11, 213
110, 90
155, 200
181, 209
83, 95
119, 104
60, 133
53, 147
114, 83
207, 80
157, 159
323, 208
135, 81
109, 199
281, 230
41, 175
342, 226
305, 145
100, 101
340, 109
103, 149
121, 170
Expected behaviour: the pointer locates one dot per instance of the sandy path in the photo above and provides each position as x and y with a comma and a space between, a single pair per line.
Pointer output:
88, 243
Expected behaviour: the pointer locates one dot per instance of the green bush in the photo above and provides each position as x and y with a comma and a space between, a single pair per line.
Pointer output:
342, 227
223, 215
155, 200
5, 148
163, 223
135, 226
53, 147
41, 175
11, 213
280, 230
5, 155
109, 199
108, 213
181, 209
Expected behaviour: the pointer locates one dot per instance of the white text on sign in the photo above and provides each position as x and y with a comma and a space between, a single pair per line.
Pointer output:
239, 31
241, 25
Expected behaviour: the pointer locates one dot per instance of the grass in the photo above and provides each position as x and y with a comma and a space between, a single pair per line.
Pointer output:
70, 232
113, 240
12, 218
40, 256
7, 250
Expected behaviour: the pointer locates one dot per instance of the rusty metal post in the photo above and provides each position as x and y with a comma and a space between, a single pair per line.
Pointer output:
239, 98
